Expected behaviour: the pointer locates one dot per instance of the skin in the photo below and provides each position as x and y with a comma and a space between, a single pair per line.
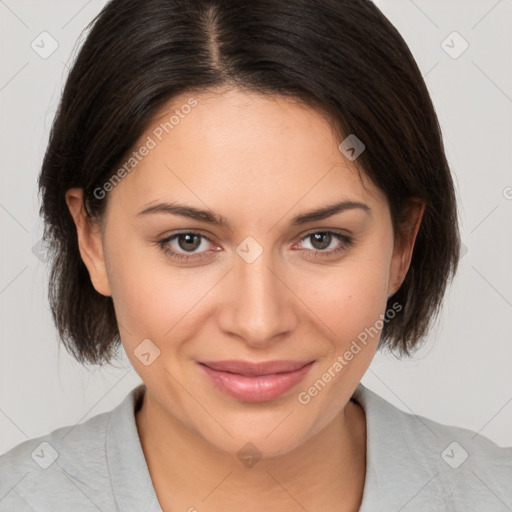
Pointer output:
258, 161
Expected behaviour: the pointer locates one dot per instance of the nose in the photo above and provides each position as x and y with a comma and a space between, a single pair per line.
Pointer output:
258, 304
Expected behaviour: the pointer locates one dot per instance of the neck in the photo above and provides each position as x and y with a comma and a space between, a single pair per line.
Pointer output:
326, 473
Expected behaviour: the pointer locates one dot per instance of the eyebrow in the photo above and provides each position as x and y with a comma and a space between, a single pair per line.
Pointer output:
215, 219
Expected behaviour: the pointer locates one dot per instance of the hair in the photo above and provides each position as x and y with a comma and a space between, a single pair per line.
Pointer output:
342, 57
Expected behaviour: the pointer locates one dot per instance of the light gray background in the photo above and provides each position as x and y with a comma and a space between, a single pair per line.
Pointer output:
461, 377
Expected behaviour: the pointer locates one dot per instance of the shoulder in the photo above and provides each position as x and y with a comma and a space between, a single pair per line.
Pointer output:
66, 469
424, 461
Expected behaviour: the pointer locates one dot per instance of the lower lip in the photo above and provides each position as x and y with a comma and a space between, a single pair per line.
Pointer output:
256, 389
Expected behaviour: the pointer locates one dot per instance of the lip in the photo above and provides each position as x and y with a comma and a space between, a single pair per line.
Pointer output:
255, 382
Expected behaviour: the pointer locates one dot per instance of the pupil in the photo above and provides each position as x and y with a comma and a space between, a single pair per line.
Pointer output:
318, 237
188, 237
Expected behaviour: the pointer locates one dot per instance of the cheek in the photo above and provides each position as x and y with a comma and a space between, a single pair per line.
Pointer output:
152, 298
158, 300
350, 298
140, 289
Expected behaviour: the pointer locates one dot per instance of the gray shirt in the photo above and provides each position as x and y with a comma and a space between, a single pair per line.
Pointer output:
413, 464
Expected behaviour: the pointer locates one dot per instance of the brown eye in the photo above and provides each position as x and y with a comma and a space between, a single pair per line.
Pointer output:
321, 240
186, 246
188, 241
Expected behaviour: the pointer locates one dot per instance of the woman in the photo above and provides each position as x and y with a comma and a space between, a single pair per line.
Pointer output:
252, 197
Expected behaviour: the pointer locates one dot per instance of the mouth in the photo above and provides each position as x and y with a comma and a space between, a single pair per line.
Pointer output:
255, 382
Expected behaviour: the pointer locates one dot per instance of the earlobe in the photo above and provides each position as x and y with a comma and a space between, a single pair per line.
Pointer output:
402, 252
89, 242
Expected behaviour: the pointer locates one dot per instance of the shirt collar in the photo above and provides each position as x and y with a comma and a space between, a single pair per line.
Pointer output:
390, 468
398, 451
131, 482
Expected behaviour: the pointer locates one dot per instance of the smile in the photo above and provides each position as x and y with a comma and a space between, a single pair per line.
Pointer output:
255, 382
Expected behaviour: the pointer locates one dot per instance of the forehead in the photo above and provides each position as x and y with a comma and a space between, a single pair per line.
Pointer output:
230, 147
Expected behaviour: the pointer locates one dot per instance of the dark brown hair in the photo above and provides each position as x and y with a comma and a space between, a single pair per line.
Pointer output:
341, 56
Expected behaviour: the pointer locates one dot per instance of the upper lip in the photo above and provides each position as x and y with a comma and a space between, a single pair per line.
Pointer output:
250, 369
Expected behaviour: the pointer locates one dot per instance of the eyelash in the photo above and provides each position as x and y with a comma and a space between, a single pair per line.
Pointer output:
345, 240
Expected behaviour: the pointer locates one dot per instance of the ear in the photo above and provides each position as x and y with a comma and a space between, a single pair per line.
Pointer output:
408, 229
89, 242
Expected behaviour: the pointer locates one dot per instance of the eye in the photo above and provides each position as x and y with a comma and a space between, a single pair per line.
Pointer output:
322, 240
187, 245
184, 246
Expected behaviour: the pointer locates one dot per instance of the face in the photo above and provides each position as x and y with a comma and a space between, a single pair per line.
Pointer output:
255, 280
